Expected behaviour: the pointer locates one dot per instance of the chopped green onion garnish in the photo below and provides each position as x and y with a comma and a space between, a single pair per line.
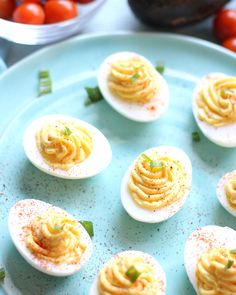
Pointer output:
66, 131
58, 228
2, 273
45, 83
229, 264
196, 136
94, 95
160, 68
132, 274
135, 77
153, 164
45, 91
88, 225
146, 158
44, 74
156, 164
233, 251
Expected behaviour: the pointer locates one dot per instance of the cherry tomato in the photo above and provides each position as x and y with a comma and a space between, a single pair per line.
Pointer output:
29, 13
84, 1
6, 8
31, 1
230, 43
225, 24
59, 10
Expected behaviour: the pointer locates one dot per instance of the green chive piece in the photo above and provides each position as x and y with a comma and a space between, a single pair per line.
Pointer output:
233, 251
135, 77
45, 83
196, 136
88, 225
66, 131
2, 273
87, 102
58, 228
94, 95
229, 264
156, 164
160, 68
153, 164
132, 274
146, 158
44, 74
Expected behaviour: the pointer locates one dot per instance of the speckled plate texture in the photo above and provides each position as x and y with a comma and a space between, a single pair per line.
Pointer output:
73, 66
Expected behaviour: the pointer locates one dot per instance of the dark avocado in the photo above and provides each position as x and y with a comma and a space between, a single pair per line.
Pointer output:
173, 13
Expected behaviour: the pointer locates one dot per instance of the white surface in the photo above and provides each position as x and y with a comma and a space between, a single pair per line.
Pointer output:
159, 215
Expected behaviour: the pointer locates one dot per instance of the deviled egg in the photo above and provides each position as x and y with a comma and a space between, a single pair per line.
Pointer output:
157, 184
214, 108
210, 260
66, 147
130, 272
226, 192
133, 87
48, 238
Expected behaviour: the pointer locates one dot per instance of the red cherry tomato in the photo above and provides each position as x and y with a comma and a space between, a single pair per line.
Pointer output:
59, 10
6, 8
31, 1
230, 43
84, 1
29, 13
225, 24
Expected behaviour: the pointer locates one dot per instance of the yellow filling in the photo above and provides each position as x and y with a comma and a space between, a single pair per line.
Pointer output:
113, 280
133, 80
55, 238
64, 144
157, 187
230, 190
216, 273
217, 102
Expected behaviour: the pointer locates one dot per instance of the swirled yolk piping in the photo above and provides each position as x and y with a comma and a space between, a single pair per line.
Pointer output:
64, 144
157, 187
217, 102
55, 238
113, 280
230, 191
216, 272
133, 80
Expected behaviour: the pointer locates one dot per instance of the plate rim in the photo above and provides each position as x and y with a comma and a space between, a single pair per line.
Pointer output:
173, 36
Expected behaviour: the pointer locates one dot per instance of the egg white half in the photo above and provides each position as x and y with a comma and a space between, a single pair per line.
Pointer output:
150, 111
159, 215
21, 215
158, 270
97, 161
202, 240
221, 195
224, 136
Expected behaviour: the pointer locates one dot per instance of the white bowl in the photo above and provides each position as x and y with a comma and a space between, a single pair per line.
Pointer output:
44, 34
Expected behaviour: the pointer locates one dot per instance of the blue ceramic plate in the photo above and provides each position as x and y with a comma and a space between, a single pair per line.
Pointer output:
73, 65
